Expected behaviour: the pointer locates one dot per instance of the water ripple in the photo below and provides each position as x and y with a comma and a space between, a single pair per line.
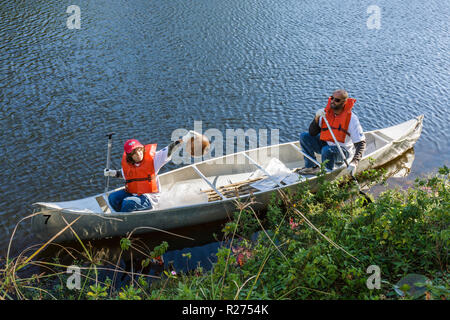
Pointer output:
146, 68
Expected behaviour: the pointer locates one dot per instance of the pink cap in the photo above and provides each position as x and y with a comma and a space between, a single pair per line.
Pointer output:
131, 144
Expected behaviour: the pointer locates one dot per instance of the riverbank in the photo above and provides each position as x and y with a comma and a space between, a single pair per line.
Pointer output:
327, 245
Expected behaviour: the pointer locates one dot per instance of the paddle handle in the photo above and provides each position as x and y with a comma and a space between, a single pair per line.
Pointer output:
108, 158
340, 150
335, 141
346, 163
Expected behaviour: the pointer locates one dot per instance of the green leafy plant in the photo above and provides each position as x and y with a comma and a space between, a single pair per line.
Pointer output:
315, 242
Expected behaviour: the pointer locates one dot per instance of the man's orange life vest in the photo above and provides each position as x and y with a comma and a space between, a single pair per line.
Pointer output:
141, 179
338, 123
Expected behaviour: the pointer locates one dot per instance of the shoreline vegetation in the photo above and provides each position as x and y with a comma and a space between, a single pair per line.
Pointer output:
305, 247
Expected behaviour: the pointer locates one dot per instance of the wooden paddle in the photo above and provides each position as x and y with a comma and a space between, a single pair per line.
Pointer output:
368, 200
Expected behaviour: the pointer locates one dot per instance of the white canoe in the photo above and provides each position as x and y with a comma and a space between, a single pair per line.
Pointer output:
223, 174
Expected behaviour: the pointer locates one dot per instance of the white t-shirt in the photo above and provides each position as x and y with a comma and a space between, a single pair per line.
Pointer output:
356, 135
159, 160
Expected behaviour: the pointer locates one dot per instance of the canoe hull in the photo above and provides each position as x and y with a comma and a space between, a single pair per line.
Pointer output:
89, 226
95, 226
92, 225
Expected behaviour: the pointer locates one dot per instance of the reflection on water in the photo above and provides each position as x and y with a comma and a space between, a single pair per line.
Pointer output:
396, 171
118, 264
146, 68
400, 167
207, 238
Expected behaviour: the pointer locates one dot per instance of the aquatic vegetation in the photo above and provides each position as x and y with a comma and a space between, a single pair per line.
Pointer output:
306, 246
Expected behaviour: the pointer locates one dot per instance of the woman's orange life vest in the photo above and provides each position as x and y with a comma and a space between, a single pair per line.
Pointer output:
141, 179
338, 123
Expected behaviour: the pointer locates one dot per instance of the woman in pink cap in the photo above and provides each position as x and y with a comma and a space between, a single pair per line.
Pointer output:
140, 166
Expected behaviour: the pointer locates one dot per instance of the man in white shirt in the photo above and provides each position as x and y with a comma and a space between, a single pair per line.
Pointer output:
346, 128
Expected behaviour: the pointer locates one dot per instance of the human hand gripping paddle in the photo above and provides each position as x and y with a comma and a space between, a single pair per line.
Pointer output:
346, 162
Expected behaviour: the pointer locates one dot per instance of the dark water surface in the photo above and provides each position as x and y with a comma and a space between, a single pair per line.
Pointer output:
145, 68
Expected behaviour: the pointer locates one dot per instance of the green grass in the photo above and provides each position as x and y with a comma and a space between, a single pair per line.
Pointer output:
308, 246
